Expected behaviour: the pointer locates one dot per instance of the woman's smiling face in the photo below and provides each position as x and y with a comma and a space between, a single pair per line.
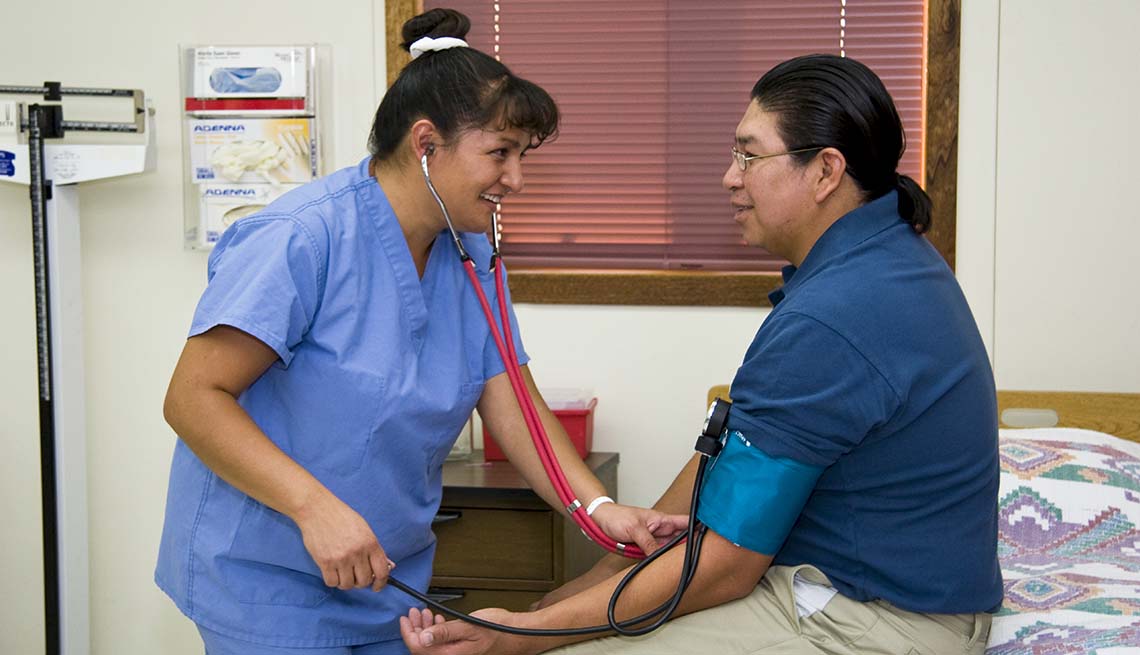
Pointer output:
476, 170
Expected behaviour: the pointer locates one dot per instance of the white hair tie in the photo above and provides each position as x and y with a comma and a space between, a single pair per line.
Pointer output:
428, 44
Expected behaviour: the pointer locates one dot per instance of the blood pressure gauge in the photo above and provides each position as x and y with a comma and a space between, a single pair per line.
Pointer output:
715, 423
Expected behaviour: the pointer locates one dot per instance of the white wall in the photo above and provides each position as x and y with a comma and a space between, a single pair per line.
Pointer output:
977, 139
1067, 297
1047, 228
650, 367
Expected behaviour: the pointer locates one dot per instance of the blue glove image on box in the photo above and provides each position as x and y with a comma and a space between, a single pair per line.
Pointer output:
245, 80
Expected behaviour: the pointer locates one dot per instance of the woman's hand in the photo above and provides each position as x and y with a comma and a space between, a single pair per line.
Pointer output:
426, 633
645, 527
343, 545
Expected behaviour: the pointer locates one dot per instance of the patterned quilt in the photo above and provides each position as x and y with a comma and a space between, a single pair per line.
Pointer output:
1069, 544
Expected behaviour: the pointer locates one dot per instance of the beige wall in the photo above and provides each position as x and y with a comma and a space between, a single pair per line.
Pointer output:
140, 288
650, 367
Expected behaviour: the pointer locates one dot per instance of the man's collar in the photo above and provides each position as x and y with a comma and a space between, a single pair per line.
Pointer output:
853, 228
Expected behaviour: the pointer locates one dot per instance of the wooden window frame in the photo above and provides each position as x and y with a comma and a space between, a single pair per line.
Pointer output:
727, 289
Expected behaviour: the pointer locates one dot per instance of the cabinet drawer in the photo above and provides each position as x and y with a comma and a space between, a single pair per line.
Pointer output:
494, 543
469, 600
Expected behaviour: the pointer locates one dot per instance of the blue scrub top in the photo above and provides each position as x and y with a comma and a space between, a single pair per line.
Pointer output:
378, 372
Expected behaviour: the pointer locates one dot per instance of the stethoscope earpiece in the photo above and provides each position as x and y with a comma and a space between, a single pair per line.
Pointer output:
430, 149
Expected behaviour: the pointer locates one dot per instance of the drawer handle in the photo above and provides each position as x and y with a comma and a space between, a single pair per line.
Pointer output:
446, 516
443, 595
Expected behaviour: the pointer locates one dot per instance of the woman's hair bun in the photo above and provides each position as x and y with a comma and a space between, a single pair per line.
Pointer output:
435, 23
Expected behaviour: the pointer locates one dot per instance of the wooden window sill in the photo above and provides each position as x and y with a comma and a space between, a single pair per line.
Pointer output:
668, 288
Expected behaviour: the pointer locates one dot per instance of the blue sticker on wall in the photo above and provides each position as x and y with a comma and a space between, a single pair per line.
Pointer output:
6, 166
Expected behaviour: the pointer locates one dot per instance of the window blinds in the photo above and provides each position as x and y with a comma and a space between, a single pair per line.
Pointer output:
651, 92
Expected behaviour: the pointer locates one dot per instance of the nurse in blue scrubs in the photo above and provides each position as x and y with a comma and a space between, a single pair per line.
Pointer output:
335, 355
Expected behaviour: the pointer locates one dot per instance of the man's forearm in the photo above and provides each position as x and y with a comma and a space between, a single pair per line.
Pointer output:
726, 572
679, 495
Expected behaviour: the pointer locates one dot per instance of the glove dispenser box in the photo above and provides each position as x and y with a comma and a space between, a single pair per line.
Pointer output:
252, 126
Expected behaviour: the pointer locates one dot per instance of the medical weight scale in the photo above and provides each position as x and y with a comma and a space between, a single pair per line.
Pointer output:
52, 173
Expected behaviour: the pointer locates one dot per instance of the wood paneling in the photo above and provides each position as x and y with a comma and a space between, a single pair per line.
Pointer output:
396, 13
471, 545
1117, 414
941, 157
499, 544
719, 391
570, 287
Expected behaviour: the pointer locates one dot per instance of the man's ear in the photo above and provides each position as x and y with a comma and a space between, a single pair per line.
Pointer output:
832, 167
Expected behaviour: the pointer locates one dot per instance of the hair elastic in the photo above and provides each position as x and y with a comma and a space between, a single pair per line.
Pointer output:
430, 44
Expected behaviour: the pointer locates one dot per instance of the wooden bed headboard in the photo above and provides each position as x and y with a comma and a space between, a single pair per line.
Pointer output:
1117, 414
1112, 413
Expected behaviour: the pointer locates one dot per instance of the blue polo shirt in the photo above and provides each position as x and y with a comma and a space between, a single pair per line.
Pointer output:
870, 369
378, 370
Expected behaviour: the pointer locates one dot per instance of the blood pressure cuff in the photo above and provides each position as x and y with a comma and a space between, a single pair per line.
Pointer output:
753, 499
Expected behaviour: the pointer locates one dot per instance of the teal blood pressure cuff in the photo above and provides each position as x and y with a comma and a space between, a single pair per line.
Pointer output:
751, 498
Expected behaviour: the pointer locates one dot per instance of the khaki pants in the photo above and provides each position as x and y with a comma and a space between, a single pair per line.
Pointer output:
765, 623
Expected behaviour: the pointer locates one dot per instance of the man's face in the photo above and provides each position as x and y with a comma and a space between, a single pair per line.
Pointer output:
770, 197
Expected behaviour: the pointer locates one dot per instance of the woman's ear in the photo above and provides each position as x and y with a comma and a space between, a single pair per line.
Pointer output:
832, 167
424, 138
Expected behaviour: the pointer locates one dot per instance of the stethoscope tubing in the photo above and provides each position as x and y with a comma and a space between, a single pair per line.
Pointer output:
504, 342
693, 537
663, 612
538, 432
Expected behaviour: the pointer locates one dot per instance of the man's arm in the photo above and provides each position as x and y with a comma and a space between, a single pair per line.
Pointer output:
725, 572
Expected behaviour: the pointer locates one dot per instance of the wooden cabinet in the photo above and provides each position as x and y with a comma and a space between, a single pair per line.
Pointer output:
499, 544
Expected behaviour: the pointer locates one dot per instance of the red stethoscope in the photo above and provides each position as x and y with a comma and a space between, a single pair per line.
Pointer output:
505, 342
708, 443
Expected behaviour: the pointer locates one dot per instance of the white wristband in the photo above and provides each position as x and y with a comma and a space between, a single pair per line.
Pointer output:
596, 503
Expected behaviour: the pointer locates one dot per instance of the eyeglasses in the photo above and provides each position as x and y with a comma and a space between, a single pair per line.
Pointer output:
742, 159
